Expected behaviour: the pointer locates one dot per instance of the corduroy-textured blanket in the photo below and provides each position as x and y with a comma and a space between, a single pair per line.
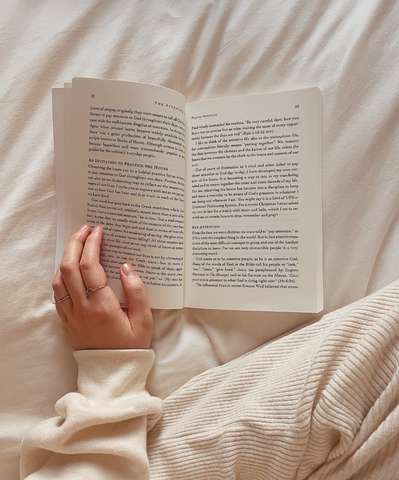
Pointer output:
319, 403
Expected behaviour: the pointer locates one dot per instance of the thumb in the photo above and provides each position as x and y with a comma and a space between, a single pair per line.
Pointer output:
139, 312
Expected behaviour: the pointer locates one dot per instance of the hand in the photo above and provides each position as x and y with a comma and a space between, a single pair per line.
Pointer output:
97, 321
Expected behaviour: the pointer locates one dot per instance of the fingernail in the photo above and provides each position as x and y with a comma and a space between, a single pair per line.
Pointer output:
128, 269
83, 228
96, 229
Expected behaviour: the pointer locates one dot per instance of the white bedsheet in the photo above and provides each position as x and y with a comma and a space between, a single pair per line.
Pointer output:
204, 49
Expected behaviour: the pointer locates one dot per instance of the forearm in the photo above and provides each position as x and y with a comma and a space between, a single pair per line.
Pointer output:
101, 429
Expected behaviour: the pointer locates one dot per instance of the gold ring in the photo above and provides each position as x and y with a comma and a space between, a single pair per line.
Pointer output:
62, 299
91, 290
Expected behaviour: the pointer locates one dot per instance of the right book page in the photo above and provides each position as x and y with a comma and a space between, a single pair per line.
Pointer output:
254, 203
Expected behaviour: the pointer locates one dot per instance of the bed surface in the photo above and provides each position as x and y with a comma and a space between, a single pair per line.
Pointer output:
204, 49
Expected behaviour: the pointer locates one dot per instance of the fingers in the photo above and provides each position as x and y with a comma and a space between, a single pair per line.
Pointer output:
61, 293
61, 312
139, 312
59, 288
70, 265
80, 267
97, 321
92, 272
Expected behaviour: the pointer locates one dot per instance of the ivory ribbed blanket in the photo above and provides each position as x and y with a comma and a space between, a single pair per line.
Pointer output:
319, 403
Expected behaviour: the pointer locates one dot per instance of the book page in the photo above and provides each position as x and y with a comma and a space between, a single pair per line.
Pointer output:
126, 171
254, 237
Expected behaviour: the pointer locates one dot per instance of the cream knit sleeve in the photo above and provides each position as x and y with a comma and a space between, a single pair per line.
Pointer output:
101, 430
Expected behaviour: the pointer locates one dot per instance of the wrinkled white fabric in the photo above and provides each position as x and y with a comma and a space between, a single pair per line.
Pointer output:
204, 49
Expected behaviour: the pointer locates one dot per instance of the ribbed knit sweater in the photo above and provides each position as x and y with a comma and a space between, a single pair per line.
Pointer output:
320, 403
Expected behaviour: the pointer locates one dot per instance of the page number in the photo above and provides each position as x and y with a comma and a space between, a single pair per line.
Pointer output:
92, 95
296, 106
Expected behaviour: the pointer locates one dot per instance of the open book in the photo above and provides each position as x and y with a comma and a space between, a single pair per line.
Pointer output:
217, 203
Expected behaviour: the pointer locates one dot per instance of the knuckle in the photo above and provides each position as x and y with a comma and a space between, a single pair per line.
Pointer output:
74, 237
56, 284
98, 310
67, 267
85, 265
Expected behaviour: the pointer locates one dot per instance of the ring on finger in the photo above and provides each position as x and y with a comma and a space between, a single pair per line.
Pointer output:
91, 290
63, 299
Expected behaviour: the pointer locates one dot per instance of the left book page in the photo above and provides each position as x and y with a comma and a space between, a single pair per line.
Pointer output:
121, 161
